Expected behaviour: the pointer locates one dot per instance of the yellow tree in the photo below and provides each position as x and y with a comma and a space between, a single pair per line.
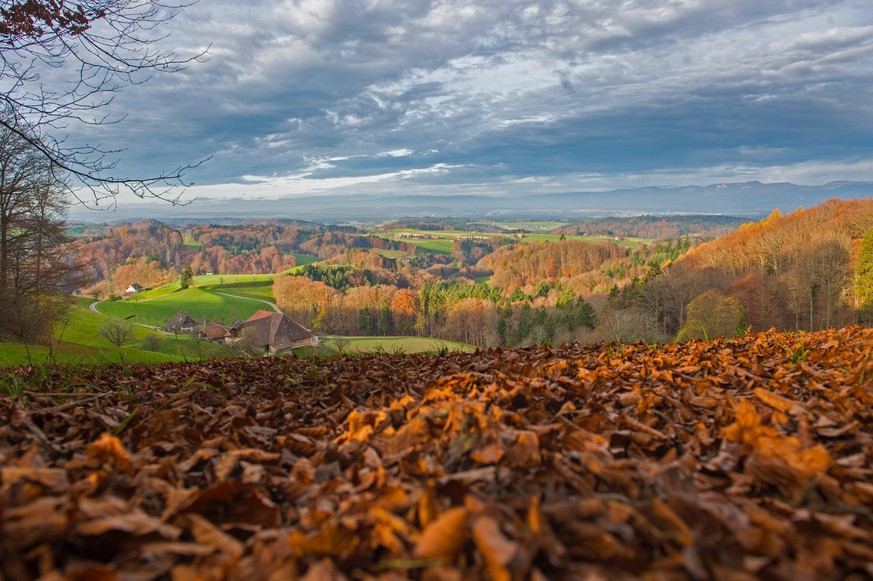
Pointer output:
713, 314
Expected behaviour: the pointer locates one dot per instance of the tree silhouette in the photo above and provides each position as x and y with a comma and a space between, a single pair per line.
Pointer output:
93, 50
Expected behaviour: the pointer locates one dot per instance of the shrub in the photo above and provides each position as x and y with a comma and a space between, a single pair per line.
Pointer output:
152, 343
712, 314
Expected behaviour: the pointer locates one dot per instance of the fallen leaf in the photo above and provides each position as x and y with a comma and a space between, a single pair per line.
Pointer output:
444, 537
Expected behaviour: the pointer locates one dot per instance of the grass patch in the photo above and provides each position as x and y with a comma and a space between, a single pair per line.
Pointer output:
631, 243
199, 303
223, 280
442, 241
435, 246
188, 242
262, 291
398, 345
253, 286
76, 353
304, 259
156, 292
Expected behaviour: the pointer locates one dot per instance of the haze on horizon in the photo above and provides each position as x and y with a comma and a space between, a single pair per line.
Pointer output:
325, 97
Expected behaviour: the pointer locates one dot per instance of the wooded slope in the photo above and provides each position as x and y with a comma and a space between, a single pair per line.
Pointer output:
738, 459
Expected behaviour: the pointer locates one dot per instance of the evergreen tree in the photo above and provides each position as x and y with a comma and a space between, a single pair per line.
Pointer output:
187, 278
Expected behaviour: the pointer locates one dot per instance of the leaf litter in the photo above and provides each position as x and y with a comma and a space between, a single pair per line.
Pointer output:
706, 460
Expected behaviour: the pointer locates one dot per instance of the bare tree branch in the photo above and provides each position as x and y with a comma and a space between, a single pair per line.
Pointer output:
98, 47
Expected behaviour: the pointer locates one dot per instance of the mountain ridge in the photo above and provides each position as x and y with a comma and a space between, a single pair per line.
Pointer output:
746, 199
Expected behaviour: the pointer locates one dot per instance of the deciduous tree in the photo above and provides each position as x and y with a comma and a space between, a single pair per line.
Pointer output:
864, 276
713, 314
35, 263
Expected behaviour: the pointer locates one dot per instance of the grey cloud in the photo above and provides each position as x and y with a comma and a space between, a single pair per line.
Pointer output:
515, 88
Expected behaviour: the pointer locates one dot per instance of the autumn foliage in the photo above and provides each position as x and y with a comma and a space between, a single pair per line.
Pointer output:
740, 459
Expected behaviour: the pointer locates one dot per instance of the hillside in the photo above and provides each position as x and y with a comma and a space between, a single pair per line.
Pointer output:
739, 459
514, 284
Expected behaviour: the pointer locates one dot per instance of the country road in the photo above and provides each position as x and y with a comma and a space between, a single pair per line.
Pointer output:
93, 308
268, 303
273, 306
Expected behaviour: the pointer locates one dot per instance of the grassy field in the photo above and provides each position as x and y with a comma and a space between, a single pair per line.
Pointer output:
435, 246
398, 345
631, 243
189, 243
79, 342
200, 304
254, 286
214, 280
442, 241
304, 259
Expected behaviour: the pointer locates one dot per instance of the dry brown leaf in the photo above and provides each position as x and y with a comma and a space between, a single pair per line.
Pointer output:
720, 458
444, 537
208, 534
135, 522
498, 551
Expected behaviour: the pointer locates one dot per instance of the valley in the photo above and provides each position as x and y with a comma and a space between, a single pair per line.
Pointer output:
455, 283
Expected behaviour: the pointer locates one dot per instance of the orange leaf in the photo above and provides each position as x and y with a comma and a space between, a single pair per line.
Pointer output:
427, 507
444, 537
773, 400
535, 515
525, 451
490, 453
108, 448
498, 551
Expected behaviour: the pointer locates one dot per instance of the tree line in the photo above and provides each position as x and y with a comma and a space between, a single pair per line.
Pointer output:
807, 270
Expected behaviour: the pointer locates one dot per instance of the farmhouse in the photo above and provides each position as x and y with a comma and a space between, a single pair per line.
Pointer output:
181, 323
218, 333
275, 332
133, 289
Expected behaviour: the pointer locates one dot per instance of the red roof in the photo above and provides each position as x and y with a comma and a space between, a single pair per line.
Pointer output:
276, 330
261, 314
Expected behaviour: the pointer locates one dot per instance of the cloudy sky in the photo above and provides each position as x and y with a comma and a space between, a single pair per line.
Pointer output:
506, 96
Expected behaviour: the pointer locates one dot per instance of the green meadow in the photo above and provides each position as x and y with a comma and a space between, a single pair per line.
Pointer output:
442, 241
225, 305
631, 243
78, 341
214, 298
304, 259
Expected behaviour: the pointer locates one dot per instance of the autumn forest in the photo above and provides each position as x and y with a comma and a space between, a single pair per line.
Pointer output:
609, 280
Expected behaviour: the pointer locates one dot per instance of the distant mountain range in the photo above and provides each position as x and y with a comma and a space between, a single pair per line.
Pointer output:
749, 199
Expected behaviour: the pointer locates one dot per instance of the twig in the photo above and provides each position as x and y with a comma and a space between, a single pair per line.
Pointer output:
72, 404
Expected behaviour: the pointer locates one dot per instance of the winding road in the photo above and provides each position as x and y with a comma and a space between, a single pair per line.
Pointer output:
93, 307
268, 303
273, 306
